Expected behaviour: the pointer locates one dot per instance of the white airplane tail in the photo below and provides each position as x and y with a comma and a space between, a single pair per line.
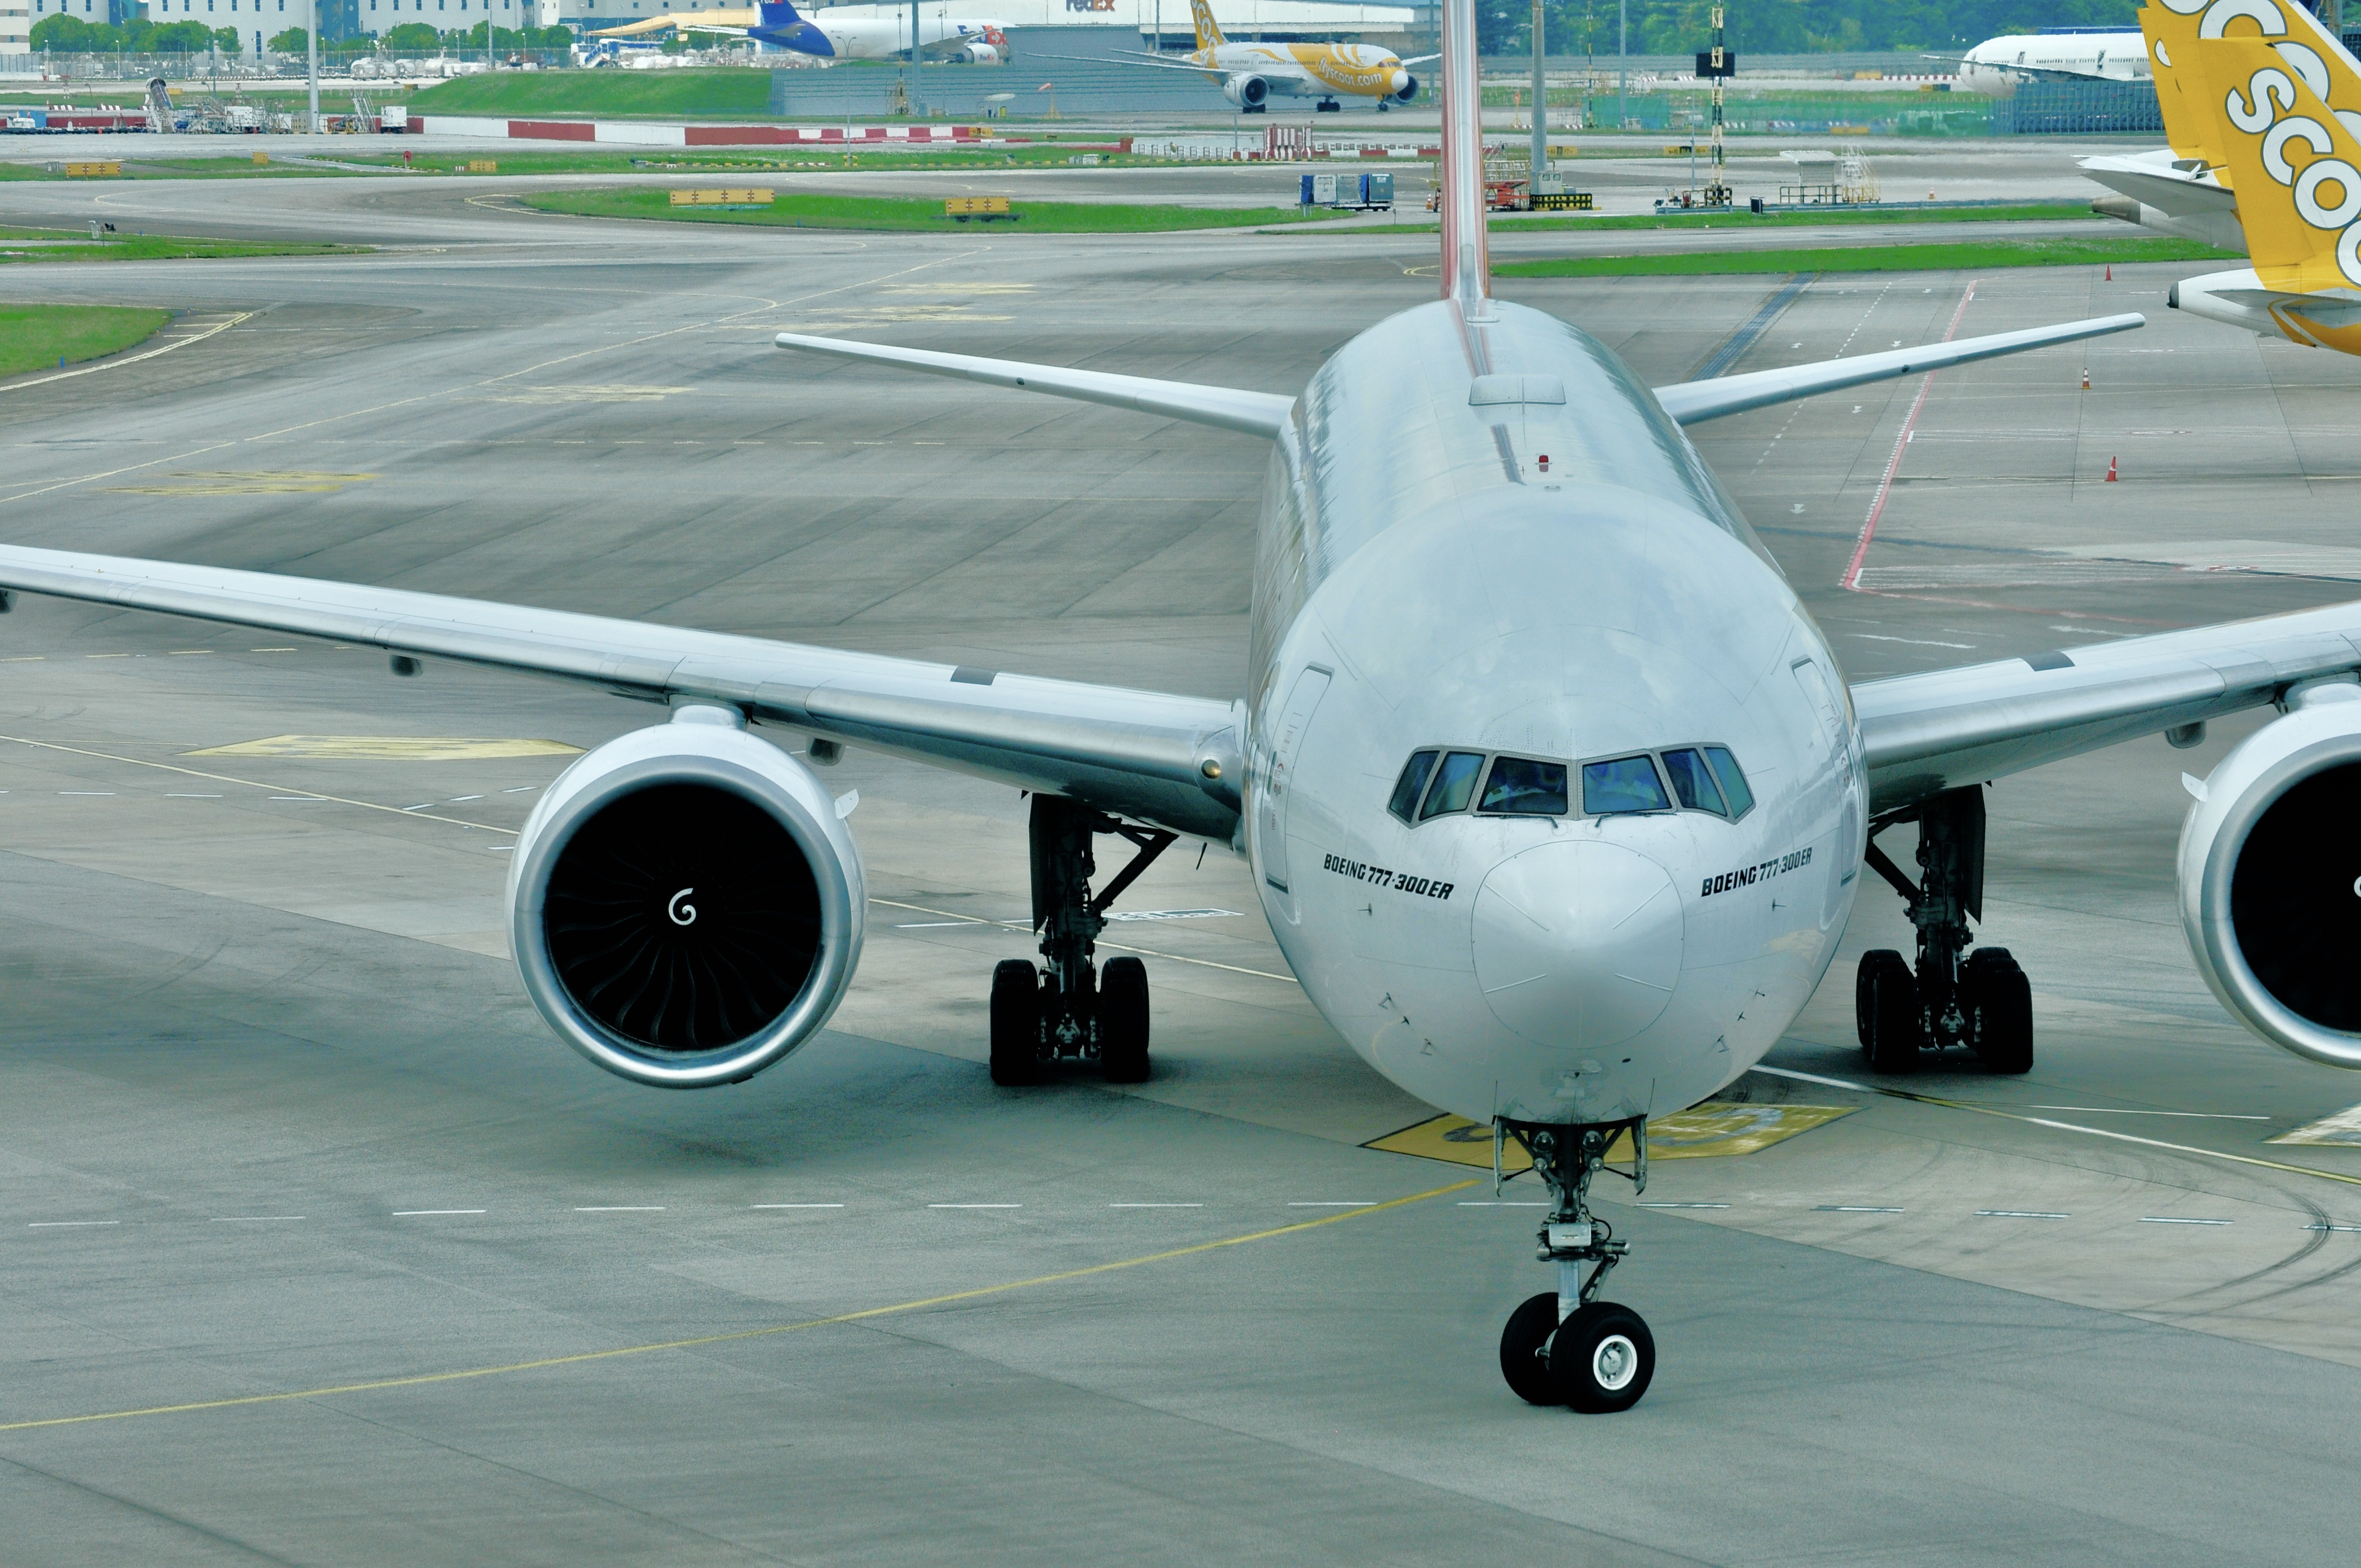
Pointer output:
1466, 267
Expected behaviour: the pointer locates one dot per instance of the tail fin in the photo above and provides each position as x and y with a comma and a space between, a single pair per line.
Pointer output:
2293, 159
2181, 92
1466, 270
778, 14
1209, 31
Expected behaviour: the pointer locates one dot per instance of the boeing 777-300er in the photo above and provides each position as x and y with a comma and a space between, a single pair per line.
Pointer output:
777, 25
2281, 99
1253, 74
1551, 792
1996, 66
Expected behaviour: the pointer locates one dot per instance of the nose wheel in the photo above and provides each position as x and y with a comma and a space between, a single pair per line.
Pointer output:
1562, 1347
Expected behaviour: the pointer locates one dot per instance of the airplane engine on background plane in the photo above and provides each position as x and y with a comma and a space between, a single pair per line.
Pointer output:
686, 903
1408, 92
2270, 877
977, 54
1246, 92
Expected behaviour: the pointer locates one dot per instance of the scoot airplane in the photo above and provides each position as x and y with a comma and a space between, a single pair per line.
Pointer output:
1253, 74
2287, 108
1550, 787
2182, 188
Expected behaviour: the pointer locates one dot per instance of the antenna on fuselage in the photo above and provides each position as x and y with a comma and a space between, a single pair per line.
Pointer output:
1466, 267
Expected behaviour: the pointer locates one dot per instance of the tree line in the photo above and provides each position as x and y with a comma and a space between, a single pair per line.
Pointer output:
71, 35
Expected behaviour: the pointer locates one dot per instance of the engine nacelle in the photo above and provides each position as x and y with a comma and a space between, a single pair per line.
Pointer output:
1408, 92
685, 905
977, 54
2270, 879
1246, 92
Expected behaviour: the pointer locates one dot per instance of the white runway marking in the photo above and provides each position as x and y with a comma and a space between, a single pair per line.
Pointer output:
795, 1205
622, 1208
104, 792
1527, 1203
251, 1218
975, 1205
1156, 1205
68, 1224
2119, 1111
1675, 1205
2320, 1227
1335, 1203
2169, 1220
1852, 1209
192, 797
2018, 1214
414, 1213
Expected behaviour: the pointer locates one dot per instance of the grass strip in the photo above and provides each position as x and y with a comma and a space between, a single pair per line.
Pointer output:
1959, 257
34, 337
906, 213
154, 247
721, 94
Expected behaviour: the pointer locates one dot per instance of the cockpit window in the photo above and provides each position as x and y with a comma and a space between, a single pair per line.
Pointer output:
1627, 784
1521, 787
1412, 780
1733, 783
1455, 780
1692, 783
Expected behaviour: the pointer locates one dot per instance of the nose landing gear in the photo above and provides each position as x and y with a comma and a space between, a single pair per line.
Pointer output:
1952, 997
1563, 1347
1068, 1007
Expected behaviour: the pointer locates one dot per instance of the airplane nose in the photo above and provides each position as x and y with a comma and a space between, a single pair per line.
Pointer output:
1577, 943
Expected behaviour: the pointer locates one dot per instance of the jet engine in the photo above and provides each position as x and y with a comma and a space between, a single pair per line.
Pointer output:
2271, 877
1408, 92
687, 904
1246, 92
977, 54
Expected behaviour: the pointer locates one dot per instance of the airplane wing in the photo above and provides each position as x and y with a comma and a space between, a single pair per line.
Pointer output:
1693, 402
1253, 413
2326, 310
2177, 193
1421, 59
1172, 761
1143, 63
1927, 733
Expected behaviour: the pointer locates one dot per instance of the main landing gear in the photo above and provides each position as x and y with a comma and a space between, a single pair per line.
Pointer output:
1328, 106
1562, 1347
1953, 997
1068, 1007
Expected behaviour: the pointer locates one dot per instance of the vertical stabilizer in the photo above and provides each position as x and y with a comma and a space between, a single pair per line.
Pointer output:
1209, 31
1466, 270
2293, 159
2181, 94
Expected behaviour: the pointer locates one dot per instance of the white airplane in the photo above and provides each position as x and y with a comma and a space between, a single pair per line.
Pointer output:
1552, 792
776, 24
1996, 66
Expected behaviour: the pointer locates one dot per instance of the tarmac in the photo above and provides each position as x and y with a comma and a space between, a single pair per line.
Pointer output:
321, 1248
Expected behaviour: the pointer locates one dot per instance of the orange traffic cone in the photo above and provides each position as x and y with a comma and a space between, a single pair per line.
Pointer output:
2111, 271
2111, 470
2086, 378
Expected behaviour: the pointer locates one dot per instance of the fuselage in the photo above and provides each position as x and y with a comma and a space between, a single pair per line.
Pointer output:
1997, 65
1310, 70
1484, 537
882, 38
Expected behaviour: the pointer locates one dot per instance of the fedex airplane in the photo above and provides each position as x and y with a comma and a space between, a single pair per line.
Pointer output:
1553, 793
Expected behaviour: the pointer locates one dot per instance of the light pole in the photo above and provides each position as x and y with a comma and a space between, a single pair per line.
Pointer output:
1541, 114
1623, 61
311, 49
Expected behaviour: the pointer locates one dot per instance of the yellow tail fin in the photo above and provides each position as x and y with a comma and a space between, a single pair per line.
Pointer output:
2182, 93
1209, 31
2294, 161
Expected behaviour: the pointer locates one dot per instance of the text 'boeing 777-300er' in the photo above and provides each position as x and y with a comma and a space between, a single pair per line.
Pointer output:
1553, 793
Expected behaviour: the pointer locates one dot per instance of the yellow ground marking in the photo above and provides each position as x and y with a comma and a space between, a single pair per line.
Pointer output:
586, 394
389, 748
133, 359
1118, 947
955, 289
703, 1340
242, 483
251, 784
1708, 1131
2106, 1132
2344, 1128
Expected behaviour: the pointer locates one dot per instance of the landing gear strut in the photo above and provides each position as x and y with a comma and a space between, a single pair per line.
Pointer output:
1951, 997
1068, 1007
1562, 1347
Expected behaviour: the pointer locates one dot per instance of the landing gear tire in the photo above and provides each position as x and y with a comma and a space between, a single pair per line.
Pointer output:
1524, 1350
1602, 1359
1016, 1024
1123, 1021
1886, 1005
2000, 1010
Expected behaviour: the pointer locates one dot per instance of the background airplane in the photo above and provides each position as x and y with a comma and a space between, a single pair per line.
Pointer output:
1253, 74
776, 24
1996, 66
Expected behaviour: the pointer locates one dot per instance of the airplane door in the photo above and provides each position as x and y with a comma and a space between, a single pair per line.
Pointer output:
1270, 801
